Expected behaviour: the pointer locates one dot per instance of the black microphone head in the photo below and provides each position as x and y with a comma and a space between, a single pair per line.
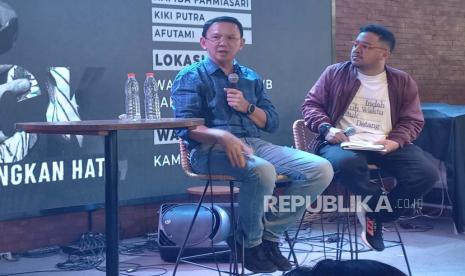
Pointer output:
233, 78
350, 131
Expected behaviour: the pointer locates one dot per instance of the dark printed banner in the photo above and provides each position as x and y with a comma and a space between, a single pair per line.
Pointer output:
67, 60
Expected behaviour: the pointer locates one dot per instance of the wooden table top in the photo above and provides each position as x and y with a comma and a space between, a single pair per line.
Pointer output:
102, 127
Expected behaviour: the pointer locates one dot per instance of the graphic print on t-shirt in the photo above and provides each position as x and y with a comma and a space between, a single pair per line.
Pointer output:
369, 112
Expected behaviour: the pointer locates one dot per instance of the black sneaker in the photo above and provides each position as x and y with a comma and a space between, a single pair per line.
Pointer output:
372, 234
275, 256
254, 258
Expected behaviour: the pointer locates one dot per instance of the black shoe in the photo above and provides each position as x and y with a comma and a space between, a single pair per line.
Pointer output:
275, 256
255, 259
372, 234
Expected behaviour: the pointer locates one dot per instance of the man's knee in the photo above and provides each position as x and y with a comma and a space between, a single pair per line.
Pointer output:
325, 171
352, 165
265, 174
316, 169
429, 175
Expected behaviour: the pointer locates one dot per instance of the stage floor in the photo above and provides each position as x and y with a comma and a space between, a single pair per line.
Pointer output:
432, 247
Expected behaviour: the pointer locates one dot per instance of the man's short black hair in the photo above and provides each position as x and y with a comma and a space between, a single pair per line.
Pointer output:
228, 19
383, 32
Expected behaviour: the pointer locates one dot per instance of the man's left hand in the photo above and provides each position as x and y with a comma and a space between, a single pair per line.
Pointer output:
236, 100
389, 145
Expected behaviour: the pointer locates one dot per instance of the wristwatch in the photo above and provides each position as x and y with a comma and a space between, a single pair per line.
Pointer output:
250, 109
323, 129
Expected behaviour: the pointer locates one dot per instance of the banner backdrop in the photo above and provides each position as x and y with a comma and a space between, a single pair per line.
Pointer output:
65, 60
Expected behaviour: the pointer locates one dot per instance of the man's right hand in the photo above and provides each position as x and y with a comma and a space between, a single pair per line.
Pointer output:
235, 149
336, 136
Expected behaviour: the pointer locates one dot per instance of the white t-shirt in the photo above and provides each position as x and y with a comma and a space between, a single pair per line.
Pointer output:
369, 112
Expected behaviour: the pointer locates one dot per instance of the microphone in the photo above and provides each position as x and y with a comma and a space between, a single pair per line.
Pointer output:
233, 79
349, 131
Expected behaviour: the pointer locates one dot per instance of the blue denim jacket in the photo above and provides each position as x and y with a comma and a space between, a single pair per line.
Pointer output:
198, 92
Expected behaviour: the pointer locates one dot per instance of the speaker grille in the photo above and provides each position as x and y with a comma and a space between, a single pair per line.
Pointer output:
175, 218
163, 240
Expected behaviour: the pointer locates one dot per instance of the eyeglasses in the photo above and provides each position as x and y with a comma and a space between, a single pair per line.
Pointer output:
217, 38
366, 46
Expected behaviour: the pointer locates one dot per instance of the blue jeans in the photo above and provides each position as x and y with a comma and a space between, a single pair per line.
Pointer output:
310, 176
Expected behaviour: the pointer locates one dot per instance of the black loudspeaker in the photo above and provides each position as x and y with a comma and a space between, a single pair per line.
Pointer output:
211, 228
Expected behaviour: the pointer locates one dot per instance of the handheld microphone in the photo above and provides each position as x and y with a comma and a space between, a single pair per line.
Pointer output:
349, 131
233, 79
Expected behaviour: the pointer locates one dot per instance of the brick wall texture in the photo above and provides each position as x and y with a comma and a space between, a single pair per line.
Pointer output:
430, 46
430, 38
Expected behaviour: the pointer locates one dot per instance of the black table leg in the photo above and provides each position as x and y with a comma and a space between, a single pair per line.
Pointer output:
111, 203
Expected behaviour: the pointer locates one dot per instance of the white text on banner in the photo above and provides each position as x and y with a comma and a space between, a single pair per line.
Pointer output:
220, 4
194, 17
184, 34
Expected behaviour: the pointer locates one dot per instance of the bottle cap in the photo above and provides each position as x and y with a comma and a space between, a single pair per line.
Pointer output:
149, 74
131, 75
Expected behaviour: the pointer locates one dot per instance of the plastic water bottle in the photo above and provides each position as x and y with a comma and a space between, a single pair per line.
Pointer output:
152, 102
132, 98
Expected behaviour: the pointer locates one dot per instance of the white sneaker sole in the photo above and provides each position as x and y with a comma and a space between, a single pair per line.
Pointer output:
361, 218
363, 236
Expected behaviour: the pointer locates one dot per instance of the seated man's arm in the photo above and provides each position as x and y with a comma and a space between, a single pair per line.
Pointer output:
187, 103
259, 117
316, 102
410, 120
237, 101
264, 116
234, 148
314, 110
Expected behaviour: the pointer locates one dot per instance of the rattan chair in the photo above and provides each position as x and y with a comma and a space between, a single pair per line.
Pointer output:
303, 139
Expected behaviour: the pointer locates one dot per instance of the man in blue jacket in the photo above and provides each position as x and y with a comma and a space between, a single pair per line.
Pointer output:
229, 142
